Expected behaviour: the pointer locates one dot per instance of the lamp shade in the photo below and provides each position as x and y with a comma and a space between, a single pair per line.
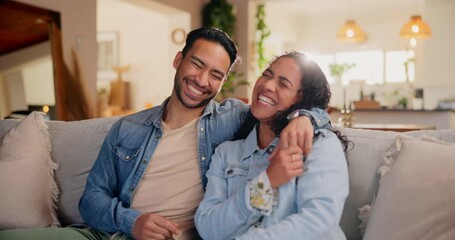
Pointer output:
415, 28
351, 32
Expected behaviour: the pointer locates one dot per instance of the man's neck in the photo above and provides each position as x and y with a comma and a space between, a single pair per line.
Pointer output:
176, 115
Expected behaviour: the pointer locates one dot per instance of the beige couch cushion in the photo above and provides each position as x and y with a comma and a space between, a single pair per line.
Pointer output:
75, 147
417, 192
28, 189
363, 162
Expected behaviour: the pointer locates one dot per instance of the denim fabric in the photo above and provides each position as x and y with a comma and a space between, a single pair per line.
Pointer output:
128, 148
309, 206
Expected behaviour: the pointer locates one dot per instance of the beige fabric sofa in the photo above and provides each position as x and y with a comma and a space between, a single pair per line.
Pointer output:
75, 146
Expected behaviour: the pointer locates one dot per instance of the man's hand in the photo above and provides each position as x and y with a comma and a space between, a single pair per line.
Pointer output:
298, 133
153, 226
285, 164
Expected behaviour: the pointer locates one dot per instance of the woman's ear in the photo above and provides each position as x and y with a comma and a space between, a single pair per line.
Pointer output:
177, 60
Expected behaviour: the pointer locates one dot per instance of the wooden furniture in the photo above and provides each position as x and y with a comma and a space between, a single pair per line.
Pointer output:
393, 127
366, 104
441, 119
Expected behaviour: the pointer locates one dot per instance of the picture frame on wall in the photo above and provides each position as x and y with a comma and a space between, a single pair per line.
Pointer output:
108, 55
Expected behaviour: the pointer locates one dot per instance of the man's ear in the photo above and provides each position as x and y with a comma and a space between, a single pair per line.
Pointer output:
177, 60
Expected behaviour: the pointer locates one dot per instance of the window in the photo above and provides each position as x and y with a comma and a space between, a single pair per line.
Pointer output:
373, 67
369, 66
324, 61
399, 66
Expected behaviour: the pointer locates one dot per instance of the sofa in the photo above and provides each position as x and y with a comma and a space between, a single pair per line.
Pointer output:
75, 145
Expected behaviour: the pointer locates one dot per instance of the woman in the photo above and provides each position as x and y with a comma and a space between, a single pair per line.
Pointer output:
252, 194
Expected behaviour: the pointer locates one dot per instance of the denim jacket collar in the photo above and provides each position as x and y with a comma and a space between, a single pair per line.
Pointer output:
158, 116
251, 144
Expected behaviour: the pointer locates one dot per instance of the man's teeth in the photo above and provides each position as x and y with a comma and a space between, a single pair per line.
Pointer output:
194, 90
266, 100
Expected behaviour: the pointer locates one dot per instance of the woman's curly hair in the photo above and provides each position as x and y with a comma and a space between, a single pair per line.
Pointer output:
314, 92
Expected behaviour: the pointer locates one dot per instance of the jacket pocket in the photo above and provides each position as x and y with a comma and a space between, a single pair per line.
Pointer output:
126, 154
236, 177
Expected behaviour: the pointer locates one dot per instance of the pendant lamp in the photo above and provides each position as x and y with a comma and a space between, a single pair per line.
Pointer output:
415, 28
351, 32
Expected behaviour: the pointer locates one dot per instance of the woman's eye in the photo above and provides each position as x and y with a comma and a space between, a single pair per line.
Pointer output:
265, 75
283, 84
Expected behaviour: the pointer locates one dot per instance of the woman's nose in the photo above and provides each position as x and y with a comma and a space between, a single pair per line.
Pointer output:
270, 85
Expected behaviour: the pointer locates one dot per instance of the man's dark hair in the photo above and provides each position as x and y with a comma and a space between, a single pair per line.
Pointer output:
213, 35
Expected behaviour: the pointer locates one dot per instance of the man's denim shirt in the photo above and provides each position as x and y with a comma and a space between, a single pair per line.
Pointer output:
128, 148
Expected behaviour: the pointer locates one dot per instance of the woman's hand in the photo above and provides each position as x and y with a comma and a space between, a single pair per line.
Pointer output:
285, 164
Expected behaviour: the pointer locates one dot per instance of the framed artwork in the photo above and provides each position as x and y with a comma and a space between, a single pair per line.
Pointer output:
108, 56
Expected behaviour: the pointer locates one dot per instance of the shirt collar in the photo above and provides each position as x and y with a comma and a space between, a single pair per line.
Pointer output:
251, 144
156, 119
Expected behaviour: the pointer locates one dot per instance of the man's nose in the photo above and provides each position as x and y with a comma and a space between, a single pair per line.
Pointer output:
203, 80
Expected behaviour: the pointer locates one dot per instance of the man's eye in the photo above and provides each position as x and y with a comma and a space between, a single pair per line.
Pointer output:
197, 65
217, 77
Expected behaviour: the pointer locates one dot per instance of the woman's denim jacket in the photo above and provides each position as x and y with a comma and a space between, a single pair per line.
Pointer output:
128, 148
307, 207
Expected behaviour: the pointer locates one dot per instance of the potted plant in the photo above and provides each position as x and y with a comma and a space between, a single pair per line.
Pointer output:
337, 70
220, 14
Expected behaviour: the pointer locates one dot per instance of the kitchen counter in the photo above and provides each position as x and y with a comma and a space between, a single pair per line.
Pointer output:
440, 119
404, 110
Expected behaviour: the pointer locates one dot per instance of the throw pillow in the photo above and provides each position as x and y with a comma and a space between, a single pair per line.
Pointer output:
416, 193
27, 185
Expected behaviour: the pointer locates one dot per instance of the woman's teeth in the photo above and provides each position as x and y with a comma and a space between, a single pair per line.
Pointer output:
266, 100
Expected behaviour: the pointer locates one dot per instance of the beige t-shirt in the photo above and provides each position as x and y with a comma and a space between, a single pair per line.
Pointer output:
171, 185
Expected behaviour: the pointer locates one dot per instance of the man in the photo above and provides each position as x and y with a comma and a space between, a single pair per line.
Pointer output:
149, 176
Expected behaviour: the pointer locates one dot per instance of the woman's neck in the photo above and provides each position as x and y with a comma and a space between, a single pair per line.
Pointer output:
265, 135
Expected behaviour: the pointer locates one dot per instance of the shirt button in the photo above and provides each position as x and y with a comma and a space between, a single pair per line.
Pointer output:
203, 158
131, 189
144, 161
202, 129
230, 171
157, 137
127, 157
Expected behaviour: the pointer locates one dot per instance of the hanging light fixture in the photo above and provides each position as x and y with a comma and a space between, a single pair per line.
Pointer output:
415, 28
351, 32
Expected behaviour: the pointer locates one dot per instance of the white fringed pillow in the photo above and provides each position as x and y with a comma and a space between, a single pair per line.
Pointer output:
416, 197
27, 186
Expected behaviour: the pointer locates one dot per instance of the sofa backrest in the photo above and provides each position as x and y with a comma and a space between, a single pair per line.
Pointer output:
75, 147
364, 161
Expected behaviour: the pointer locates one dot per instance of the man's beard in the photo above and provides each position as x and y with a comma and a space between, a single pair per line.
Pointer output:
178, 87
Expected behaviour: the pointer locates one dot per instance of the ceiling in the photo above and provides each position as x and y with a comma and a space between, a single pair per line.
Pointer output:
22, 25
326, 8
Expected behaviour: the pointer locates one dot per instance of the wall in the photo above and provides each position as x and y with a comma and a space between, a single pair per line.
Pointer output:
78, 20
315, 32
440, 48
145, 44
26, 79
193, 7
